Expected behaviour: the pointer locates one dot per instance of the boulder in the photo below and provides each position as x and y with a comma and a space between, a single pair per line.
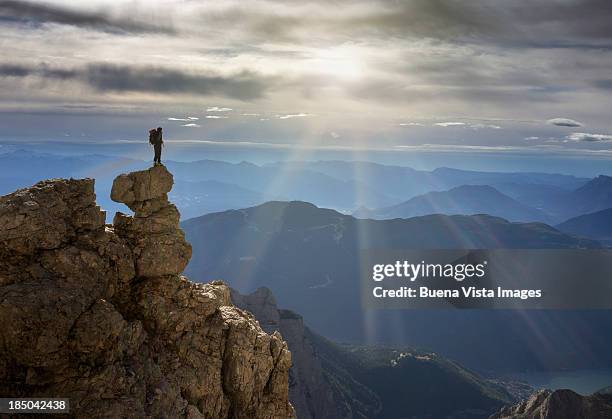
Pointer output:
153, 232
145, 185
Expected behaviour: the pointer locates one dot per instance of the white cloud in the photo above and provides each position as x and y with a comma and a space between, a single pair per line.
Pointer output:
463, 124
215, 117
192, 125
334, 134
531, 138
249, 114
189, 118
564, 122
449, 124
217, 109
480, 126
293, 115
410, 124
583, 136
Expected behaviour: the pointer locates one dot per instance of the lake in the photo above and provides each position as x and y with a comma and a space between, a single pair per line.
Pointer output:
581, 381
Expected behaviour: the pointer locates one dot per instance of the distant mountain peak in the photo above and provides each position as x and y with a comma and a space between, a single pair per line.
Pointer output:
461, 200
601, 179
486, 188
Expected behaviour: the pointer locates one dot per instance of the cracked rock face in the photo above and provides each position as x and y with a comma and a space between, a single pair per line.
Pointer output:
559, 404
153, 232
135, 188
100, 315
309, 390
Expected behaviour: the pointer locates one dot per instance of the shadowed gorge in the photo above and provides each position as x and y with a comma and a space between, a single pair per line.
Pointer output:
331, 380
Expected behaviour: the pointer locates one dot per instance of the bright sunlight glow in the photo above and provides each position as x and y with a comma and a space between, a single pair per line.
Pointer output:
342, 62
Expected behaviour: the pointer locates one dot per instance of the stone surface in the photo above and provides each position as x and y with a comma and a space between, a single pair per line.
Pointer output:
100, 315
309, 391
559, 404
48, 215
137, 187
153, 232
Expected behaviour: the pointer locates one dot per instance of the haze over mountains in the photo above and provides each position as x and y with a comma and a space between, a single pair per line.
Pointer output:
209, 186
308, 254
596, 225
466, 199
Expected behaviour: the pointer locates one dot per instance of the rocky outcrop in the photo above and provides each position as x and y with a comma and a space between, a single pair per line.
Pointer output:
153, 233
559, 404
99, 313
309, 389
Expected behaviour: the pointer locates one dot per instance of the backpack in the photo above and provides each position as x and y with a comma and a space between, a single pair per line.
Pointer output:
152, 136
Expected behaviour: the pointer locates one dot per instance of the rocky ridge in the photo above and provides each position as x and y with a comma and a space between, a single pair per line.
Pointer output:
559, 404
309, 390
100, 314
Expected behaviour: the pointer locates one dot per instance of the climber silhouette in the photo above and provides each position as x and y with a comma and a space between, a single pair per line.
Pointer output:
156, 140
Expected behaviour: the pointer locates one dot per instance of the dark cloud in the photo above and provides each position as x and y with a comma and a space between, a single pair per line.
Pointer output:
512, 23
555, 24
12, 70
564, 122
26, 12
603, 84
478, 69
121, 78
387, 91
244, 85
44, 71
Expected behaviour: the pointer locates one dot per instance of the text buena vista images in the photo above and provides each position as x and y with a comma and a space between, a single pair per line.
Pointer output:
458, 272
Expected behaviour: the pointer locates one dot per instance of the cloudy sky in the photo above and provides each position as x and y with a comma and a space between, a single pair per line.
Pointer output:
403, 75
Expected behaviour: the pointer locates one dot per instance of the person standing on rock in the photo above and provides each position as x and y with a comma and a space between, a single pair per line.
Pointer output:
156, 140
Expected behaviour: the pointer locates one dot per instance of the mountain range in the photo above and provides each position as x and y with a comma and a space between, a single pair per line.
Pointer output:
207, 186
596, 225
466, 200
406, 182
309, 257
595, 195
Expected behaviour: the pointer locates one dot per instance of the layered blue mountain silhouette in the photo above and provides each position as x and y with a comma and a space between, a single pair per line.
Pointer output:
309, 257
206, 186
594, 196
596, 225
465, 199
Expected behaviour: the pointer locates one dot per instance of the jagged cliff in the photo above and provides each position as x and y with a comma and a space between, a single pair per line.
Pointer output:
99, 314
560, 404
309, 390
